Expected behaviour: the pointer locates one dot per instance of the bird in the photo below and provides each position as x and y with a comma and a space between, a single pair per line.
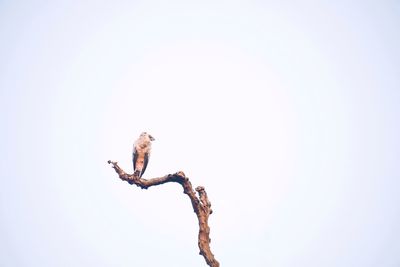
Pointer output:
141, 153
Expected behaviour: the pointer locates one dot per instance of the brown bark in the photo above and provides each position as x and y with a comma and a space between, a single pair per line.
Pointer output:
201, 205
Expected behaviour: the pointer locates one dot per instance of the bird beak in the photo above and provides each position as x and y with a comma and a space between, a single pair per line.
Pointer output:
151, 138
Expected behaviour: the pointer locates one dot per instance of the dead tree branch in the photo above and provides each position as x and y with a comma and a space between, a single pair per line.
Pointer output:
201, 205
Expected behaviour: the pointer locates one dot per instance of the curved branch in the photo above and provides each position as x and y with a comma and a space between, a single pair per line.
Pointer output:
201, 205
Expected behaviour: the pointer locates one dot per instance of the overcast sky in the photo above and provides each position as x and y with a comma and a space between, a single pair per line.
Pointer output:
286, 111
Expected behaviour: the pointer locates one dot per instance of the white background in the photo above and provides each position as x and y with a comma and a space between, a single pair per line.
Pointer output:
286, 111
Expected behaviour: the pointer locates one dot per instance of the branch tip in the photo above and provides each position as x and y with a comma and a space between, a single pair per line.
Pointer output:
200, 189
112, 162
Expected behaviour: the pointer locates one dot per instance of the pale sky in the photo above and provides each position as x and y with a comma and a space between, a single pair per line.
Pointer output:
286, 111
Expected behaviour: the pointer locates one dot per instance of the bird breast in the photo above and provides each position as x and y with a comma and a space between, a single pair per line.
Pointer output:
143, 148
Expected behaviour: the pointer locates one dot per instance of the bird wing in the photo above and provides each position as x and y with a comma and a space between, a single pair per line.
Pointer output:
134, 157
146, 160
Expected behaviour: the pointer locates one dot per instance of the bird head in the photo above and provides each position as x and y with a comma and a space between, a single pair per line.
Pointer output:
145, 134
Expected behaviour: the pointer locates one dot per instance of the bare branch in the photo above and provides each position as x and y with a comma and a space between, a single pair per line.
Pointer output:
201, 205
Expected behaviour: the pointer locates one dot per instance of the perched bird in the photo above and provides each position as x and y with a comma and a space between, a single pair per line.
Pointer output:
141, 153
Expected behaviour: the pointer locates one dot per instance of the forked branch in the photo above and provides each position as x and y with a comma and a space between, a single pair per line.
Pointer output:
201, 205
